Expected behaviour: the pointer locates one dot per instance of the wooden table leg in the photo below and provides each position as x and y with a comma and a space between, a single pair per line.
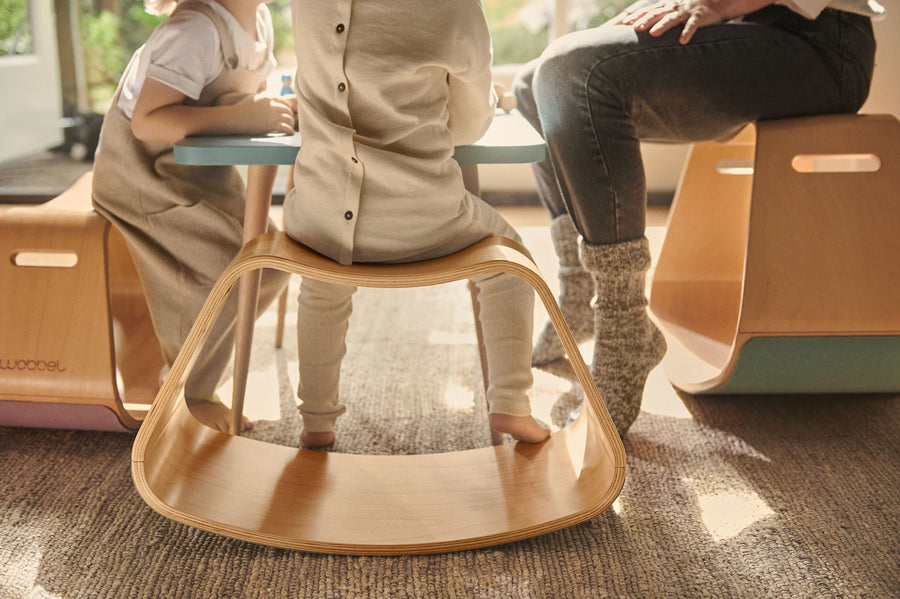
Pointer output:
260, 179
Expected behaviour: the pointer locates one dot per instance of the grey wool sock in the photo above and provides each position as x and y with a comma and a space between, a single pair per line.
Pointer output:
576, 289
627, 345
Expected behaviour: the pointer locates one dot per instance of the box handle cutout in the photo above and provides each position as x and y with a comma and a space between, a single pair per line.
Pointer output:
836, 163
45, 259
735, 167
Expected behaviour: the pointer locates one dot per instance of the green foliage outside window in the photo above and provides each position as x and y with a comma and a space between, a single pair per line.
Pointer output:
520, 29
103, 54
109, 39
15, 28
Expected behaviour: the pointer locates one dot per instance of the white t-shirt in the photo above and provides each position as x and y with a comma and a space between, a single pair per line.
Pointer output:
811, 8
184, 52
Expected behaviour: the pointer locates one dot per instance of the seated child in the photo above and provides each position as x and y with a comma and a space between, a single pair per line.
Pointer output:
202, 71
384, 93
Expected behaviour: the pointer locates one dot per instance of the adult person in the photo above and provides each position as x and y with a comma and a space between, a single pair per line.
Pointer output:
672, 71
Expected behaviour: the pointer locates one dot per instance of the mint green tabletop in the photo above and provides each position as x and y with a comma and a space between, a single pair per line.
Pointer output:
510, 139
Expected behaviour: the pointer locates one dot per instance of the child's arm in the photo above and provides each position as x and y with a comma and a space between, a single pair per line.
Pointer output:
471, 106
472, 96
161, 116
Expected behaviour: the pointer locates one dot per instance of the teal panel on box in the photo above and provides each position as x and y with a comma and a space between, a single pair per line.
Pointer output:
816, 365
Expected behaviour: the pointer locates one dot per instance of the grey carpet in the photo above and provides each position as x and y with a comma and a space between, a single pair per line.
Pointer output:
724, 497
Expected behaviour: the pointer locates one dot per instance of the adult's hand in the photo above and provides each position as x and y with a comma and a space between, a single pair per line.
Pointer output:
659, 17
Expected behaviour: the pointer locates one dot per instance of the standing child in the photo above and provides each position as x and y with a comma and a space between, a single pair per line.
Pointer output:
385, 90
202, 72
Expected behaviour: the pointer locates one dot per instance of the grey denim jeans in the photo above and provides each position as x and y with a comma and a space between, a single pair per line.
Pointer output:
596, 94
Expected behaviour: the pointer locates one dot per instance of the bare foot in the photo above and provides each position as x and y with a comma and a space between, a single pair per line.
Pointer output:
520, 428
310, 440
217, 415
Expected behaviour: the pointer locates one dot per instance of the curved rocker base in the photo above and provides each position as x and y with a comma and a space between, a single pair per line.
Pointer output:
374, 505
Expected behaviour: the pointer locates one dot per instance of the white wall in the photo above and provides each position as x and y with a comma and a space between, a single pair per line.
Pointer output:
884, 98
30, 97
663, 163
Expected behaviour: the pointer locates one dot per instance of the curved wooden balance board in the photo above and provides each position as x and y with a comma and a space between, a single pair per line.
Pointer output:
780, 270
374, 505
77, 347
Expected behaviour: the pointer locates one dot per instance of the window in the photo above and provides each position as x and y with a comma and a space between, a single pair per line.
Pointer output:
30, 106
520, 29
15, 28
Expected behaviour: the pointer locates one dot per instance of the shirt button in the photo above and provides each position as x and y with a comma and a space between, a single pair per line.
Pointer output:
354, 160
348, 215
339, 28
341, 87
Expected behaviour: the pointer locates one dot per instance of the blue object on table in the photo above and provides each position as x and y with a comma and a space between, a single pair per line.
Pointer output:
286, 88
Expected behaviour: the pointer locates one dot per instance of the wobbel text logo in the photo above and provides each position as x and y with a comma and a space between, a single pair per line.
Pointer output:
31, 365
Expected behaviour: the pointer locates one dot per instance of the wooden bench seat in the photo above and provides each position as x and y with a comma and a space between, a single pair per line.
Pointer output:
780, 270
77, 348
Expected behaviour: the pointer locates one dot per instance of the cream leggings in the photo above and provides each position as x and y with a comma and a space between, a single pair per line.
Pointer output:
506, 317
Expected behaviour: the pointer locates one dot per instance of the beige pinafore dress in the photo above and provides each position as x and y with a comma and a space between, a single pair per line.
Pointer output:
182, 223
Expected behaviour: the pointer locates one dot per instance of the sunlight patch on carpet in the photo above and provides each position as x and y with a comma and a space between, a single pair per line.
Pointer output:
660, 399
451, 338
458, 396
727, 513
269, 318
262, 396
547, 390
21, 572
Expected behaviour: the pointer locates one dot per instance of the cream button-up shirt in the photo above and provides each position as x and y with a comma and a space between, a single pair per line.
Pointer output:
385, 90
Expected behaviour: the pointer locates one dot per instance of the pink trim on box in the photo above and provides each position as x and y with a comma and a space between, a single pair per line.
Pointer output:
59, 416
